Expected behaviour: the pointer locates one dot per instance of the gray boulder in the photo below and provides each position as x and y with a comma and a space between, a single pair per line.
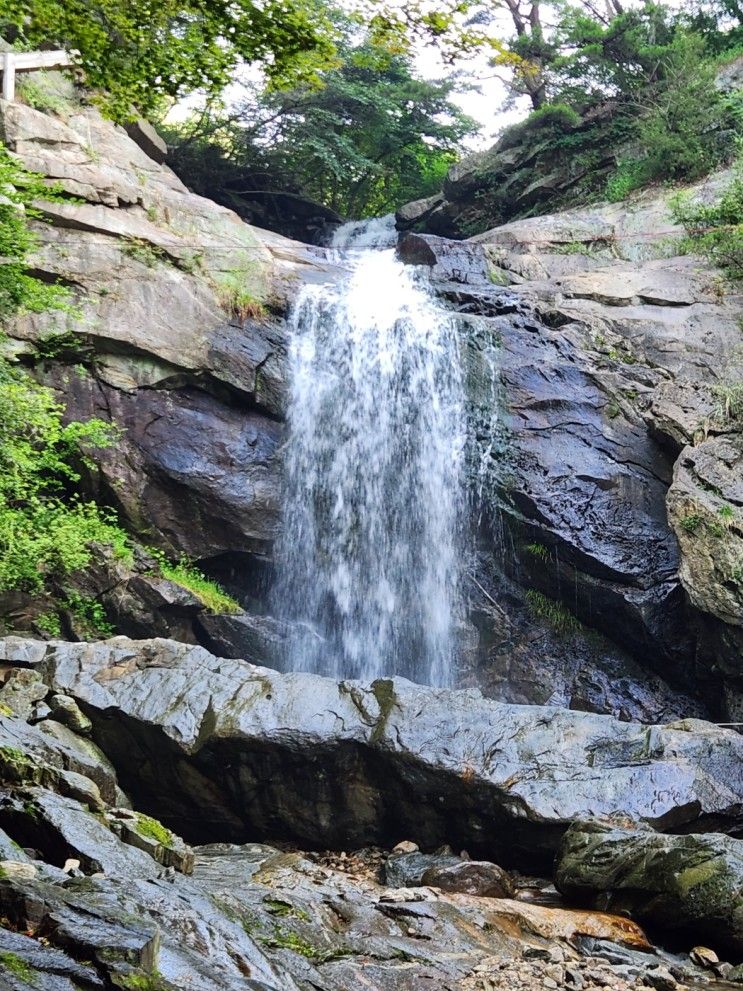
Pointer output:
406, 870
471, 877
220, 748
691, 886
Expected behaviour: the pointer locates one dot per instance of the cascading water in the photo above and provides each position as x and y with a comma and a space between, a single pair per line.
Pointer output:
371, 549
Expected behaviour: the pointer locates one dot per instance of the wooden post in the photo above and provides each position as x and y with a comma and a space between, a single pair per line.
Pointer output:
9, 76
27, 62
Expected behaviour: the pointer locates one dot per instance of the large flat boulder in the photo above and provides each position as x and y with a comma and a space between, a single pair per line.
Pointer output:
220, 748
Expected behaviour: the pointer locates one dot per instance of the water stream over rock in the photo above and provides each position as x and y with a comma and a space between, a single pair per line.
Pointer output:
374, 505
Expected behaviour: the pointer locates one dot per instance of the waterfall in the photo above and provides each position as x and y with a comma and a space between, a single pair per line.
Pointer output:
370, 551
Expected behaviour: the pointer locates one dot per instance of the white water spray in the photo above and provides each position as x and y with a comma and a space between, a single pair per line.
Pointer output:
371, 550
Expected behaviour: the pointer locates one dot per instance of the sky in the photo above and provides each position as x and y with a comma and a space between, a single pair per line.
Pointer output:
485, 103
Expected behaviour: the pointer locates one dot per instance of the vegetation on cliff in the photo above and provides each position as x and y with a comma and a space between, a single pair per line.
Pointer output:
47, 532
43, 534
623, 95
372, 136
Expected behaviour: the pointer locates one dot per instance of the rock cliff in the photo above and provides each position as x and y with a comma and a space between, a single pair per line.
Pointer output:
610, 503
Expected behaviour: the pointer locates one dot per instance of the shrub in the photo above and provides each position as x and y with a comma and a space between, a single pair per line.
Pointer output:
212, 595
629, 176
729, 397
716, 231
18, 289
239, 302
556, 116
555, 613
691, 522
43, 533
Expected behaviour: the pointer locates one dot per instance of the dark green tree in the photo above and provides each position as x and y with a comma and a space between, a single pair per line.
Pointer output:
371, 137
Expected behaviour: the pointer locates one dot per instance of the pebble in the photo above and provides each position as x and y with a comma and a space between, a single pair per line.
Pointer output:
537, 971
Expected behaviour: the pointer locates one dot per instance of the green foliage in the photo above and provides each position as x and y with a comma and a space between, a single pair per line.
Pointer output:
729, 400
18, 967
552, 116
207, 591
153, 829
50, 624
35, 90
19, 290
239, 302
371, 137
554, 613
139, 981
89, 615
139, 54
716, 231
682, 126
142, 251
627, 178
538, 550
285, 939
45, 535
284, 909
625, 97
691, 522
67, 343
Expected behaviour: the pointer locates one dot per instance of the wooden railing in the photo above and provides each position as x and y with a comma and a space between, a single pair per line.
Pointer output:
13, 62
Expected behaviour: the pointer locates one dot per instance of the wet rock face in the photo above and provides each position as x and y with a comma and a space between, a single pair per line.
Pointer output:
202, 473
678, 884
705, 507
251, 752
607, 368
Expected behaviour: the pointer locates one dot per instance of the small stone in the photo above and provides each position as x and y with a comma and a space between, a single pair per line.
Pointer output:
71, 865
536, 953
67, 711
17, 870
406, 846
660, 979
574, 978
548, 982
703, 956
41, 711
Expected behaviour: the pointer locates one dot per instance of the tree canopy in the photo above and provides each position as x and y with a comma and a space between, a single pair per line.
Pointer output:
371, 137
140, 52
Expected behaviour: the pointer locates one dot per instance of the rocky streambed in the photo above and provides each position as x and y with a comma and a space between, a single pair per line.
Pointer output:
452, 818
